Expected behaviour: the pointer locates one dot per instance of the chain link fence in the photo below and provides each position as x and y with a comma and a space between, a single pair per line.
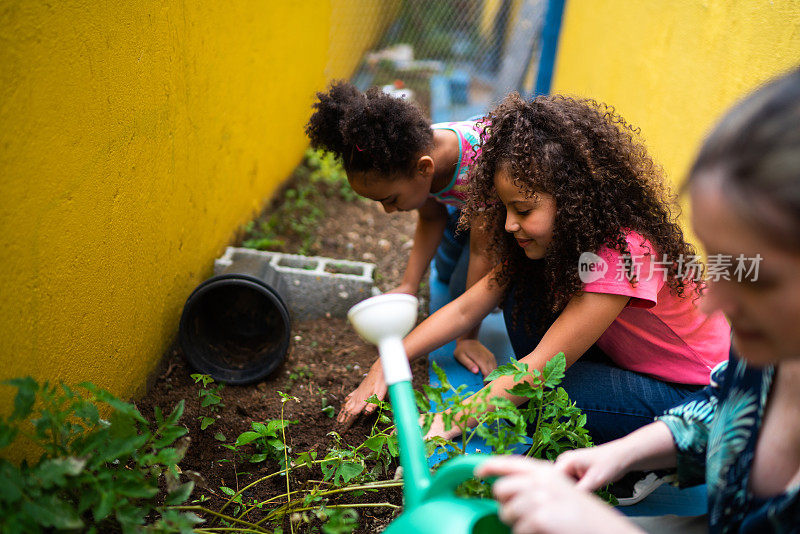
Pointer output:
455, 58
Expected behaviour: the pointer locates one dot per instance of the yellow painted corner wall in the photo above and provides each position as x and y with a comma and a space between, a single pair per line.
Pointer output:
136, 138
673, 68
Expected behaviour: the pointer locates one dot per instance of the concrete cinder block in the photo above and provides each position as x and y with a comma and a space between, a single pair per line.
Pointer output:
316, 285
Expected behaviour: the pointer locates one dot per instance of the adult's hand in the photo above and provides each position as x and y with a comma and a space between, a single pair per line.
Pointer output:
535, 497
356, 402
650, 447
474, 356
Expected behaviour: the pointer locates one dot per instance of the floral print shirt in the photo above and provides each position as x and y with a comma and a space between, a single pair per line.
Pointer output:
716, 440
469, 142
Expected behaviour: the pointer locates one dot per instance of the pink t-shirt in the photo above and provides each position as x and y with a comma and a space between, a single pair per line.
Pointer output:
657, 333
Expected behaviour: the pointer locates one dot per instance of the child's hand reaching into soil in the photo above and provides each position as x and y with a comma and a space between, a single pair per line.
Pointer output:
437, 428
355, 402
474, 356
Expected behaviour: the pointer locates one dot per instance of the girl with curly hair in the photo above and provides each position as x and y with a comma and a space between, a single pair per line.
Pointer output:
562, 184
393, 154
742, 438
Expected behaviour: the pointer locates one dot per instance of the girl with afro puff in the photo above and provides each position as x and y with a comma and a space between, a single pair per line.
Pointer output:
562, 183
393, 155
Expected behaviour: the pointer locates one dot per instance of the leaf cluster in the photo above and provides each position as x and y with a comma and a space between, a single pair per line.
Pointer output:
93, 472
211, 399
266, 438
547, 424
336, 481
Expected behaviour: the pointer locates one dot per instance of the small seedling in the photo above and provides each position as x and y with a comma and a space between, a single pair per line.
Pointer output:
327, 409
301, 372
211, 399
266, 438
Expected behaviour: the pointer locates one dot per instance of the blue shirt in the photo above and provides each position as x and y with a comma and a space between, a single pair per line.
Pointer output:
716, 439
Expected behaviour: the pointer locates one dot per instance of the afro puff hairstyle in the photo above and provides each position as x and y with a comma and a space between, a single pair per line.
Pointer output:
370, 131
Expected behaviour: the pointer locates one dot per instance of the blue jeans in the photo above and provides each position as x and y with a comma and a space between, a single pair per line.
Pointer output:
616, 401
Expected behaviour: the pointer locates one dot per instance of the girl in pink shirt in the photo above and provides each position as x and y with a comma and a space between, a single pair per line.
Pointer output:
590, 262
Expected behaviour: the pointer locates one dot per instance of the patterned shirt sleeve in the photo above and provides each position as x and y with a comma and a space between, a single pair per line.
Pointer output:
690, 423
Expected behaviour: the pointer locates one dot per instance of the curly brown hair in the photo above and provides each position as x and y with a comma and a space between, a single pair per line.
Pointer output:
369, 131
604, 183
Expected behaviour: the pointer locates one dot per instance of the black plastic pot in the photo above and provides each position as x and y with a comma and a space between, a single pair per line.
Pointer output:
235, 326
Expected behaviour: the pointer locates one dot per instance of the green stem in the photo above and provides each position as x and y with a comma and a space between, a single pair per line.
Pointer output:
286, 508
358, 505
373, 485
275, 498
205, 510
362, 487
225, 529
538, 422
276, 473
286, 462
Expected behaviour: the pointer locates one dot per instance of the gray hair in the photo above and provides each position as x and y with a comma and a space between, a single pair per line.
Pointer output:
755, 152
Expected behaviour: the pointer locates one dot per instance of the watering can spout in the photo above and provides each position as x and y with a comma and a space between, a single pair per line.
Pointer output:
431, 506
383, 321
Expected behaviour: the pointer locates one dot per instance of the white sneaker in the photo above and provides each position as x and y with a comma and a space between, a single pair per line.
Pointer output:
644, 487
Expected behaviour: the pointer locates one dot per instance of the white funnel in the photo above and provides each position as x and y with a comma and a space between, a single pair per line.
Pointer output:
384, 321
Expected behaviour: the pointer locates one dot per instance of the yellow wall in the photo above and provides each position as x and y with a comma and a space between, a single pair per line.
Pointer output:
136, 138
673, 67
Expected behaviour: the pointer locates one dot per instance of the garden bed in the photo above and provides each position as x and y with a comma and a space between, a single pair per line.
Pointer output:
339, 480
326, 361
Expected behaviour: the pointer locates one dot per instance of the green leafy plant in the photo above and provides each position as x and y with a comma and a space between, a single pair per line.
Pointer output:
558, 425
211, 400
548, 424
339, 481
266, 438
344, 470
327, 409
339, 521
95, 473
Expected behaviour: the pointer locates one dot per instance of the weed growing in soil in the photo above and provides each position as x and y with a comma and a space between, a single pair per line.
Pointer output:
267, 439
95, 474
320, 176
301, 372
212, 399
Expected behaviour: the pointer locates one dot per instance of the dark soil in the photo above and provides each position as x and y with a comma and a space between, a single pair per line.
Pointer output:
326, 360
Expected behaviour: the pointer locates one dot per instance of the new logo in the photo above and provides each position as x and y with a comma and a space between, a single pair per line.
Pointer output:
591, 267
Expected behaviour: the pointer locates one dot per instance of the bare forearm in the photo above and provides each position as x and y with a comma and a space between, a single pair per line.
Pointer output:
650, 447
454, 319
574, 331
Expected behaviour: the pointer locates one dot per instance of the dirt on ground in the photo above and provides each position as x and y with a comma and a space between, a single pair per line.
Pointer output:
325, 362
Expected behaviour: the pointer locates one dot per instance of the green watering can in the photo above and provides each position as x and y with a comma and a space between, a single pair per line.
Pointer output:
430, 503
